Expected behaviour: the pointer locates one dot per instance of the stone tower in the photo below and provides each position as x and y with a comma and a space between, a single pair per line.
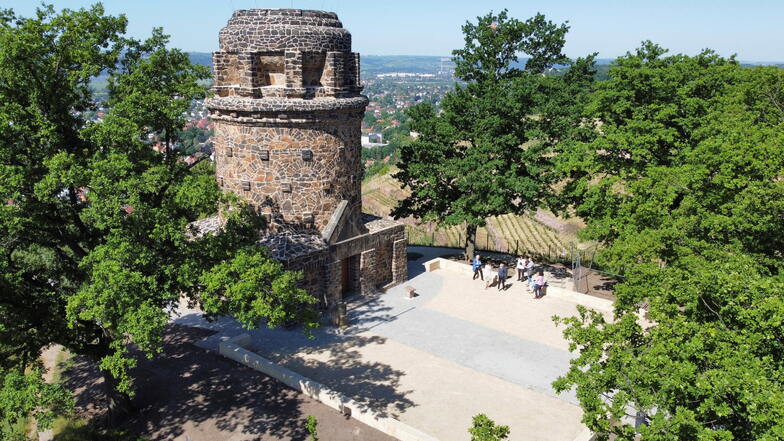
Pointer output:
287, 111
287, 116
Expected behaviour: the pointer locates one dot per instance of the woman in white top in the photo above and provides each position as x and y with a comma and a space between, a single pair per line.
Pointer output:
491, 275
520, 268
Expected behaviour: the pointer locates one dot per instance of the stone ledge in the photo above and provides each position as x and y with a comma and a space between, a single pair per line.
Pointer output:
446, 264
233, 349
275, 104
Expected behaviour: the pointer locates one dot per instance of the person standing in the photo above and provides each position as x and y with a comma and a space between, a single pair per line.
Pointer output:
476, 265
521, 261
490, 276
538, 284
529, 272
502, 273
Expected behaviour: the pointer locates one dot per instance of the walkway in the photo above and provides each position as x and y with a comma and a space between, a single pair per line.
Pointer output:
436, 360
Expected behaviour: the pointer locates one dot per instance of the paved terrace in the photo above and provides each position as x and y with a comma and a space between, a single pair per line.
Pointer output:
436, 360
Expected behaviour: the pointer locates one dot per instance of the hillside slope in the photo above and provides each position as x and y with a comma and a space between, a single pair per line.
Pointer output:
542, 234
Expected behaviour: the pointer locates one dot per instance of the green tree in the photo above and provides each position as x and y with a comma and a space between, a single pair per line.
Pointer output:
96, 249
311, 426
683, 184
25, 395
478, 159
484, 429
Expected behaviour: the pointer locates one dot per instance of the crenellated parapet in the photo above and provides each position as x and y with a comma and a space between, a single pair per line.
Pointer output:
285, 53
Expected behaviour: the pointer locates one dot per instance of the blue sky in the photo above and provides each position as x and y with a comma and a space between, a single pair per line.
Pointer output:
752, 29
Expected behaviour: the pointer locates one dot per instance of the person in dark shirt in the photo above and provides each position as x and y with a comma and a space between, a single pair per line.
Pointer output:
502, 272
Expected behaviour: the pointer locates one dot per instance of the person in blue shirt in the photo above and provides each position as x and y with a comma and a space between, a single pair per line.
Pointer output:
476, 265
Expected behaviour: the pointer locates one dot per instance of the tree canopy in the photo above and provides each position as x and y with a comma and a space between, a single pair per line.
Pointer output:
96, 249
683, 184
482, 156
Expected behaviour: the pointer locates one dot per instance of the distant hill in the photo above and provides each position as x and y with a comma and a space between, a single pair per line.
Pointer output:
203, 58
371, 64
376, 64
542, 234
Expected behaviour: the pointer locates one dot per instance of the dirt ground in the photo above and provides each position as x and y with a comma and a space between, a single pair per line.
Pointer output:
188, 393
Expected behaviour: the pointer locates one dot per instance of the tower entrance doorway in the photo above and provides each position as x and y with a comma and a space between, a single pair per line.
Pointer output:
345, 279
349, 276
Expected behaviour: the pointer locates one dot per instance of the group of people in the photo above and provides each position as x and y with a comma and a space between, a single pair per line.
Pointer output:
526, 272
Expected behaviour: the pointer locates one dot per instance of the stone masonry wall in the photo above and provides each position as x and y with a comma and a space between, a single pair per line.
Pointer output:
295, 175
384, 263
399, 261
278, 29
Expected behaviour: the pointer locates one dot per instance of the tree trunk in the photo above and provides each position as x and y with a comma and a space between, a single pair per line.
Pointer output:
118, 403
470, 244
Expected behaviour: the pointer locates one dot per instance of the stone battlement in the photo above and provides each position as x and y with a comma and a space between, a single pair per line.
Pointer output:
285, 53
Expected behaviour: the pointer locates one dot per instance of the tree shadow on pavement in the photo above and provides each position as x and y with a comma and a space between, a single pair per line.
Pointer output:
339, 365
187, 386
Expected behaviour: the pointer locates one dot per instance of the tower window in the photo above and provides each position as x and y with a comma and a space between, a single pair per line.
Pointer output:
313, 69
269, 70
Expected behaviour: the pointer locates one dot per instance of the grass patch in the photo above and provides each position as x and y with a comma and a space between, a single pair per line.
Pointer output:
73, 428
62, 362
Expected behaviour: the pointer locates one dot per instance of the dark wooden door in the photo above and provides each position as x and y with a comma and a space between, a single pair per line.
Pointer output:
345, 279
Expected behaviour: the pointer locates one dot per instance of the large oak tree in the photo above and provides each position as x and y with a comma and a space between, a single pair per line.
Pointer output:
487, 152
684, 184
95, 248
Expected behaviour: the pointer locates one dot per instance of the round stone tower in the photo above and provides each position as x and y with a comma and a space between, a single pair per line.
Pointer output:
287, 111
